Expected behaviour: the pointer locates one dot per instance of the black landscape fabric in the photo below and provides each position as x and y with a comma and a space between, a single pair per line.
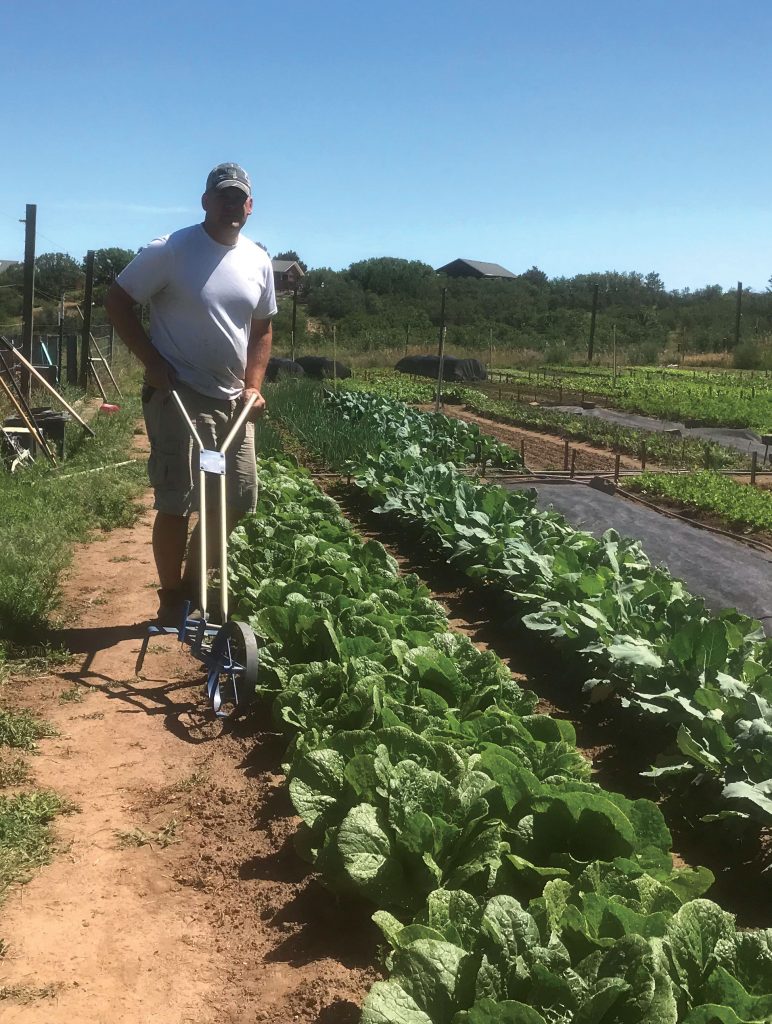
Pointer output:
322, 369
742, 439
726, 572
453, 368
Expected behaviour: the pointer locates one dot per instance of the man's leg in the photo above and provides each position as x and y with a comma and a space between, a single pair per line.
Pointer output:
170, 534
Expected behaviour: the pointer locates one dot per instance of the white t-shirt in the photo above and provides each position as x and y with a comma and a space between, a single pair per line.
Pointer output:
203, 297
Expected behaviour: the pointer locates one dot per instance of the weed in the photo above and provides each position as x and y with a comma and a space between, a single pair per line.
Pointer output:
25, 994
74, 695
13, 772
138, 837
189, 782
25, 839
20, 729
34, 659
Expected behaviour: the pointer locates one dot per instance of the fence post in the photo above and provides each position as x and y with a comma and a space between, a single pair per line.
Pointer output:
72, 359
565, 453
617, 460
643, 455
754, 460
573, 461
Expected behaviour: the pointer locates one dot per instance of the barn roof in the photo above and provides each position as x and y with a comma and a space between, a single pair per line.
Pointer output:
483, 269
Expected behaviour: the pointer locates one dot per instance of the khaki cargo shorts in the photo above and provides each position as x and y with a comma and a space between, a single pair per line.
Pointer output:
173, 464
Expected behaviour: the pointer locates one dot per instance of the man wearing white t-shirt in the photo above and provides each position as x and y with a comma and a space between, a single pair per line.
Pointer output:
211, 297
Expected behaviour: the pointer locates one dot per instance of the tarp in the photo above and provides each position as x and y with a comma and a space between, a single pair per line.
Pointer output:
278, 367
453, 368
321, 369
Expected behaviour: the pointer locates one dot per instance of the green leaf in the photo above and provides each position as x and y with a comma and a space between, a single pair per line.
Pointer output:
387, 1002
507, 1012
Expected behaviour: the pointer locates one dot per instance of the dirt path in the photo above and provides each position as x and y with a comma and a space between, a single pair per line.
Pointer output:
177, 895
545, 451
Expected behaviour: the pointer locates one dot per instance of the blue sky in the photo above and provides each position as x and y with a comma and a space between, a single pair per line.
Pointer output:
574, 137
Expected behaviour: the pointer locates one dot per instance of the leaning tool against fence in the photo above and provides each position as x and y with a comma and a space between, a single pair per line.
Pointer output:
211, 298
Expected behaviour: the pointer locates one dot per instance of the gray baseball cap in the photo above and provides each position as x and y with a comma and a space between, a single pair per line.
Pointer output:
229, 176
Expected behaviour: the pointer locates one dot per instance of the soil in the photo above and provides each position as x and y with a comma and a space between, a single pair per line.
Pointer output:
176, 894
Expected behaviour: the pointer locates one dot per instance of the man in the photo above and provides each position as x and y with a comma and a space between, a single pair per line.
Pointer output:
211, 296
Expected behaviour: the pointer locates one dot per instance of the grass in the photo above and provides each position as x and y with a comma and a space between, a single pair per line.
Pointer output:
45, 510
26, 841
22, 730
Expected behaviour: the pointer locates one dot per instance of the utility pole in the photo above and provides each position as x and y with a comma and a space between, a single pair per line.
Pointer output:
595, 290
441, 352
85, 353
28, 300
738, 314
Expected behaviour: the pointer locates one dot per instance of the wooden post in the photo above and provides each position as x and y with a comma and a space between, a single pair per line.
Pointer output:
573, 461
617, 460
441, 352
28, 300
294, 322
85, 352
754, 461
595, 291
643, 455
738, 313
490, 346
335, 356
565, 453
522, 450
407, 337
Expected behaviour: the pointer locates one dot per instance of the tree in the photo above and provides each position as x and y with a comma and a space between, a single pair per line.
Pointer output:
108, 263
293, 257
56, 272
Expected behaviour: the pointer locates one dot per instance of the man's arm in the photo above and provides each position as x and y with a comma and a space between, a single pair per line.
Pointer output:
121, 312
258, 353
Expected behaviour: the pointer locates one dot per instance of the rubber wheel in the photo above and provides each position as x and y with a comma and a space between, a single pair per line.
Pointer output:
233, 689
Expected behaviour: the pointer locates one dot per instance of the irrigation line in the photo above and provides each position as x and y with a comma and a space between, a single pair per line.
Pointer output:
98, 469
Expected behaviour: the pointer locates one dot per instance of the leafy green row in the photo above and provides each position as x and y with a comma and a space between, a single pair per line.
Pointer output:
736, 503
660, 447
697, 401
509, 887
635, 630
